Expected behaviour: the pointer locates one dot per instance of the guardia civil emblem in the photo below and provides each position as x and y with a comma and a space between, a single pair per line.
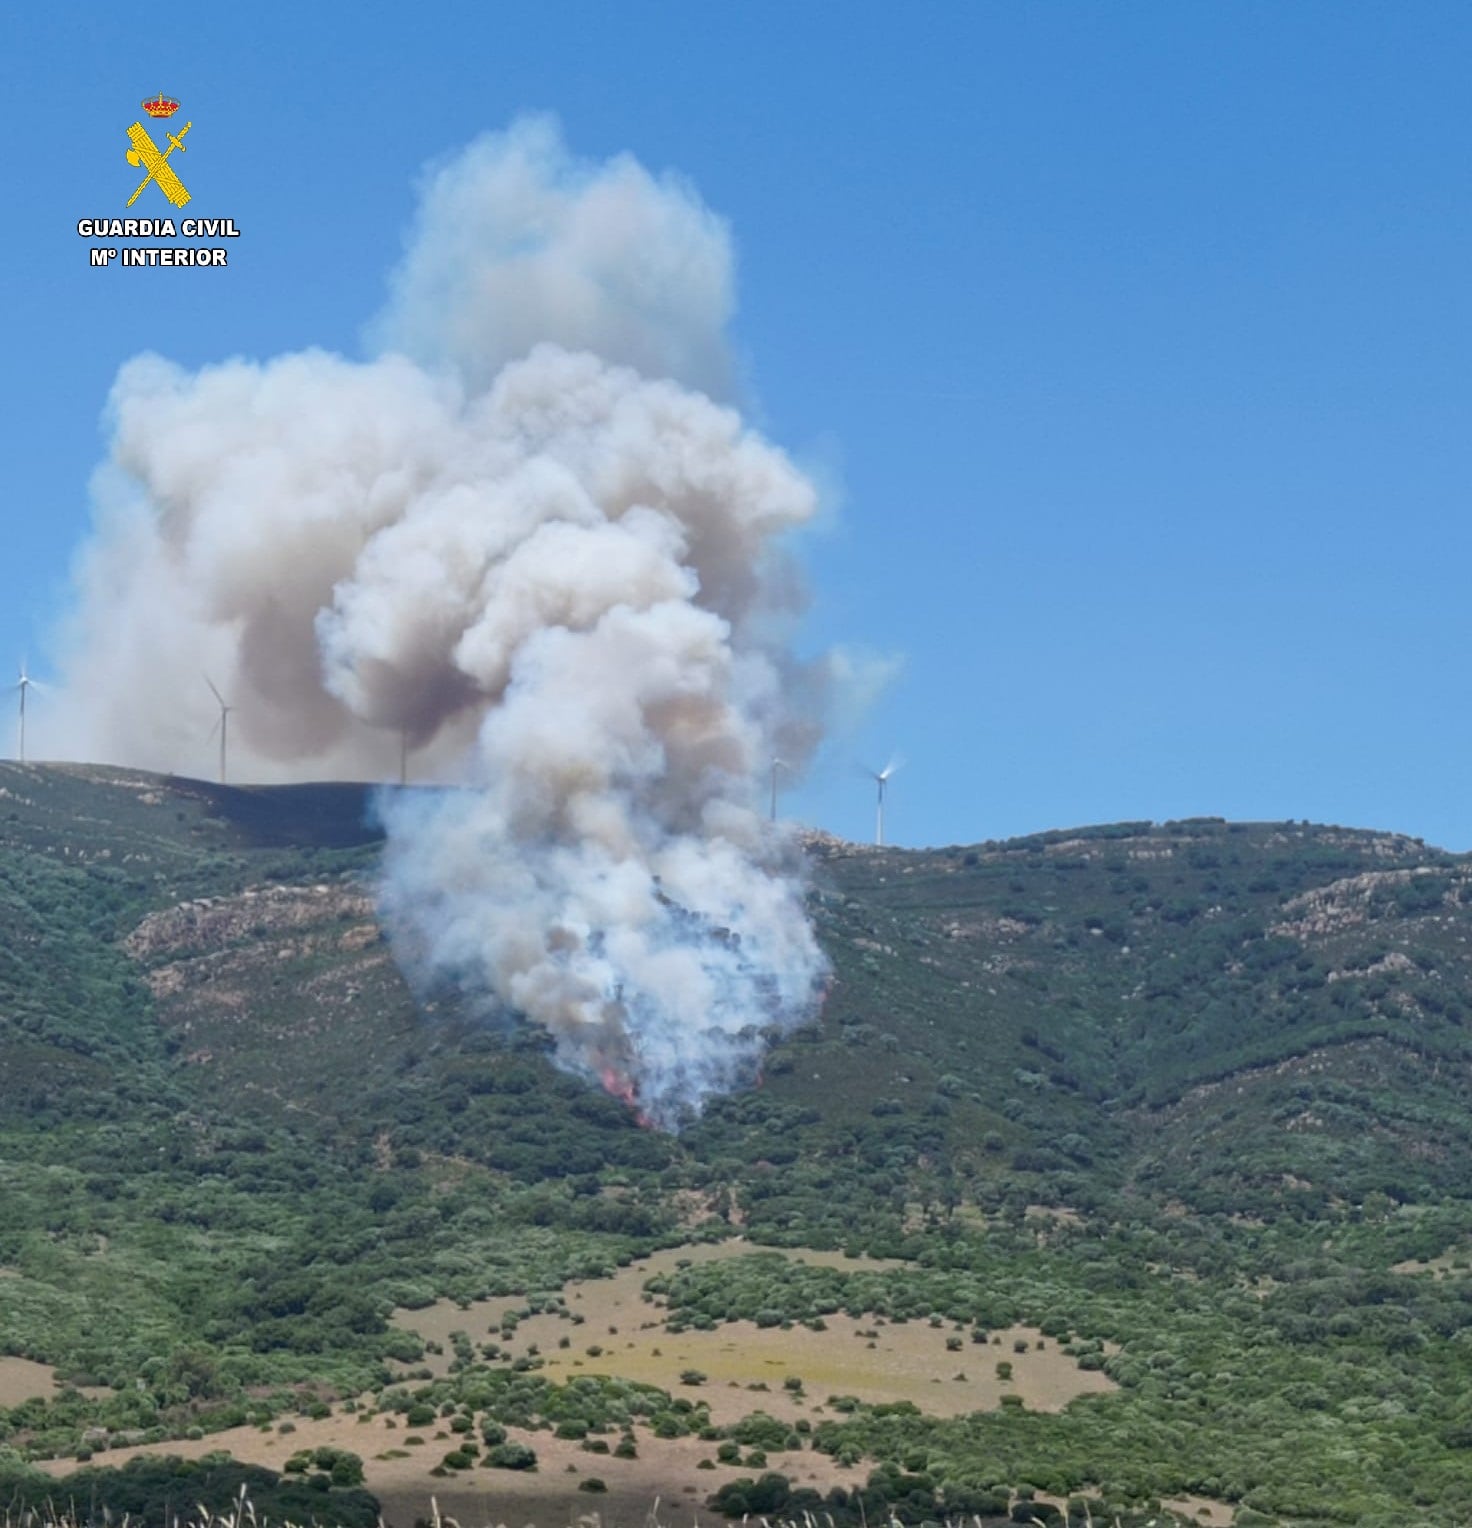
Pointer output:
145, 152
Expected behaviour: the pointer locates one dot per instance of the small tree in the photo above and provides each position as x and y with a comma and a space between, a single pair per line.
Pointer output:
511, 1456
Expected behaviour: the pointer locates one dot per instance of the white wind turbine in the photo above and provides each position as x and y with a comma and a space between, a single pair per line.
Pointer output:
223, 725
776, 765
881, 779
24, 683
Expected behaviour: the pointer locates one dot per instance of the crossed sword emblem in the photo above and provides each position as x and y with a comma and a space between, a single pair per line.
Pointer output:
145, 152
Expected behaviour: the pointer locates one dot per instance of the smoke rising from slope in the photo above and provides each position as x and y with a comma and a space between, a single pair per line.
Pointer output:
531, 550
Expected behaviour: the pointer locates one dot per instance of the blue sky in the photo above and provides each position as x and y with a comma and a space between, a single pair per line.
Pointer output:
1133, 339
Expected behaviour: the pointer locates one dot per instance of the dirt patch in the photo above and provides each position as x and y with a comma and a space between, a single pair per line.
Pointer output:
1184, 1509
1451, 1264
1213, 1514
1058, 1214
601, 1302
23, 1380
666, 1470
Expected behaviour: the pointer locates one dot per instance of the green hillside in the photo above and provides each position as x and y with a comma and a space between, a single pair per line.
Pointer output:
1190, 1099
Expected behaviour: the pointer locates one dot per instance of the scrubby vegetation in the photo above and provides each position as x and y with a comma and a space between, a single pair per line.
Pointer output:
1188, 1099
213, 1492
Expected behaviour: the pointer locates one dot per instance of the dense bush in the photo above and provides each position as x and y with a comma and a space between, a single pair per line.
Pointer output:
151, 1490
511, 1456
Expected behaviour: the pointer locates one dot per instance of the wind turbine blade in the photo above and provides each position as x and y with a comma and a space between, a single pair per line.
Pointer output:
893, 767
213, 691
214, 729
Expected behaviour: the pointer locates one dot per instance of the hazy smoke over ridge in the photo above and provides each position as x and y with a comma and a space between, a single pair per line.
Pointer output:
552, 567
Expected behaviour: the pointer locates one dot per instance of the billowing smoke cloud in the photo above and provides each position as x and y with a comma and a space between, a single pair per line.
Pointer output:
516, 245
524, 545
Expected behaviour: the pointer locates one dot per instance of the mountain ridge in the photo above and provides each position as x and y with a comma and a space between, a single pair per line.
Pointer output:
1185, 1094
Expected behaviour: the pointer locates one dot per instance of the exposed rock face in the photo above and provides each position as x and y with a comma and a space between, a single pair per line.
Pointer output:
243, 981
210, 924
1344, 903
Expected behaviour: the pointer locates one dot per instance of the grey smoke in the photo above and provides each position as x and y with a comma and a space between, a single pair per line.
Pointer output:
517, 244
526, 538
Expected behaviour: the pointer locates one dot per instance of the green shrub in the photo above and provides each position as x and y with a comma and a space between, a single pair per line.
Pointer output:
347, 1470
511, 1456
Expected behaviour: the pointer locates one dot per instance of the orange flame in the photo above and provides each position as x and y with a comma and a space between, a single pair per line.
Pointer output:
622, 1088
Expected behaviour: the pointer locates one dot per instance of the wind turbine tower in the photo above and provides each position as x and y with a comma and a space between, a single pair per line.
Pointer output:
222, 726
23, 684
881, 779
776, 765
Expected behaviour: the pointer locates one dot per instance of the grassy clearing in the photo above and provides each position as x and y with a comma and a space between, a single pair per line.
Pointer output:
1455, 1263
666, 1468
23, 1380
603, 1300
611, 1326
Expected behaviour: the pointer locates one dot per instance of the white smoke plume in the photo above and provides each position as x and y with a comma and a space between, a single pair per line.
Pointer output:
524, 544
516, 245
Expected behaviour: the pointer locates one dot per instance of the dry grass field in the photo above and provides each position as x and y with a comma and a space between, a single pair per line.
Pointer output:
745, 1366
744, 1369
22, 1380
666, 1469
